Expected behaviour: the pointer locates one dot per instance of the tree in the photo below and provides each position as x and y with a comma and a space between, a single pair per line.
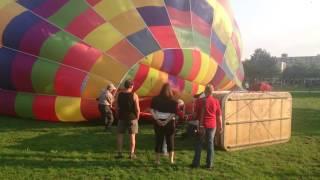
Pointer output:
261, 65
301, 71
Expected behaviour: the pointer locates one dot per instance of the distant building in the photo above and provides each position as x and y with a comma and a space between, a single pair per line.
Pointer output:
285, 61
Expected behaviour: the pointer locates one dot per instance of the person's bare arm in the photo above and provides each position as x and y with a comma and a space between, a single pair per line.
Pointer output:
137, 106
116, 106
219, 118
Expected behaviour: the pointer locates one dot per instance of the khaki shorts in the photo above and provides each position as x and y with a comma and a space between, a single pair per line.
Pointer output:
128, 125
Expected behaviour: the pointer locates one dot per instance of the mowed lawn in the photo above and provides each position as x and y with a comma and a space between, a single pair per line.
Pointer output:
32, 149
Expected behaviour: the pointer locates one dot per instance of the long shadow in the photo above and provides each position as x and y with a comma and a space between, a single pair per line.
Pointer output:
18, 124
46, 161
96, 141
8, 123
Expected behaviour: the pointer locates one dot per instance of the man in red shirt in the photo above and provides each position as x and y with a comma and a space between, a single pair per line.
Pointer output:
208, 112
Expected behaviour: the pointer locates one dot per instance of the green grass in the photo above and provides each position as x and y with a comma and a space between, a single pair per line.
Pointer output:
32, 149
296, 88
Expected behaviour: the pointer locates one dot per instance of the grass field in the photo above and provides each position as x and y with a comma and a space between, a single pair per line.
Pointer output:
31, 149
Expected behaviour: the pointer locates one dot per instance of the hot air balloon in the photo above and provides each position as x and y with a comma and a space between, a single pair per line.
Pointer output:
56, 56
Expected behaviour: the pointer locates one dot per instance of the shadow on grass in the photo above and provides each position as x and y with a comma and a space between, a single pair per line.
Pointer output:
18, 124
45, 161
80, 137
96, 141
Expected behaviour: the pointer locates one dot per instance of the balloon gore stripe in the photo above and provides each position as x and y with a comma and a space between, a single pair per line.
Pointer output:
57, 56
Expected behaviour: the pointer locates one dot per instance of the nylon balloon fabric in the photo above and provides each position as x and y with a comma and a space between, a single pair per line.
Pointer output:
56, 56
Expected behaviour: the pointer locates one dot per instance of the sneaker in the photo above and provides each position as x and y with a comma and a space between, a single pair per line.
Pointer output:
133, 156
119, 156
194, 166
108, 129
209, 167
165, 154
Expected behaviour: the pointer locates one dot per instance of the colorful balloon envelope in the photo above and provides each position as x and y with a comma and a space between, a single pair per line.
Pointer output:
56, 56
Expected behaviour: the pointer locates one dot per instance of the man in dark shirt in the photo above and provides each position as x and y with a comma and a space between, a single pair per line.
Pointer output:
128, 112
208, 112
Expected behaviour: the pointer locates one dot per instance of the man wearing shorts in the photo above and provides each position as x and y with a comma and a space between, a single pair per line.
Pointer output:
128, 110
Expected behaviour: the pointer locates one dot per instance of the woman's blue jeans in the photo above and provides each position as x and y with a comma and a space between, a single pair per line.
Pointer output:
208, 138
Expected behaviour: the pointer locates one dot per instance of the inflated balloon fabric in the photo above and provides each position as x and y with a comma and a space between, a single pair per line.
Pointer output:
57, 55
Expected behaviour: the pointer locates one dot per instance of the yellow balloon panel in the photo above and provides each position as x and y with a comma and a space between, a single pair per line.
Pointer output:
110, 9
149, 82
143, 3
68, 109
8, 11
104, 37
222, 24
157, 59
147, 60
3, 3
105, 67
212, 3
204, 70
231, 57
212, 69
200, 89
157, 85
128, 23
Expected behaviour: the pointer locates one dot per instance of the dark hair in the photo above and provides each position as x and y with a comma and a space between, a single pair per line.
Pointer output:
166, 91
128, 83
209, 89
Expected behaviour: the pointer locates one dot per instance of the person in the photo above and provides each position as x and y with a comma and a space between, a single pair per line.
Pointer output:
163, 110
208, 112
179, 118
128, 111
246, 85
106, 99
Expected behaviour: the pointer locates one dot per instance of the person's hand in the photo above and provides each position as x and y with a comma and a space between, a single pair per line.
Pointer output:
220, 129
160, 123
201, 130
132, 122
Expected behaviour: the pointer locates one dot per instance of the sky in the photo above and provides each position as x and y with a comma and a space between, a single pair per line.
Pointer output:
279, 26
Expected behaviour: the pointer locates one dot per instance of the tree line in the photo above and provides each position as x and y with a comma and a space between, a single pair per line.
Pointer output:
262, 65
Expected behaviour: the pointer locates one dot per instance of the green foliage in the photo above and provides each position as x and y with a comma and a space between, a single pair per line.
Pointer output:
300, 71
261, 65
38, 150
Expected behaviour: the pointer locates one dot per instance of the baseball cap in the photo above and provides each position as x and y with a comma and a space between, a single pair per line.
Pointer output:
111, 87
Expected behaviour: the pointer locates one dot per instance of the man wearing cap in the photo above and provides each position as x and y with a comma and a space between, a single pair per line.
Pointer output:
106, 100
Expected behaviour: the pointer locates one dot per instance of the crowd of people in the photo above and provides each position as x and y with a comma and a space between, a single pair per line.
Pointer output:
165, 110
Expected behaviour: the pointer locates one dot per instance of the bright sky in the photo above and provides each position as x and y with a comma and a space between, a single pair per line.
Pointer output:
279, 26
